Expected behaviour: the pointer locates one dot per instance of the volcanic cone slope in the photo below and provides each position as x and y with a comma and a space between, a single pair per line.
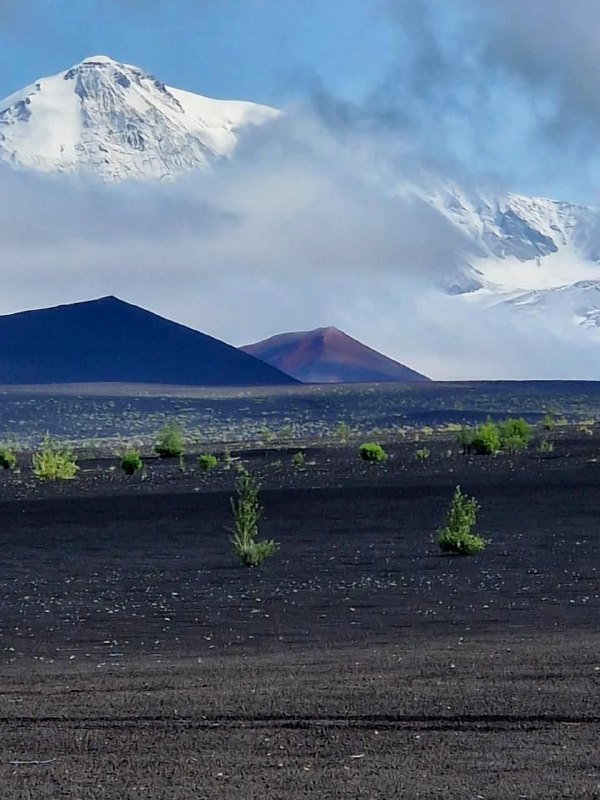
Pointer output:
110, 341
327, 355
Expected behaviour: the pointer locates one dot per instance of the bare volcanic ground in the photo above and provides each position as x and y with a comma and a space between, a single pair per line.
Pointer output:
138, 660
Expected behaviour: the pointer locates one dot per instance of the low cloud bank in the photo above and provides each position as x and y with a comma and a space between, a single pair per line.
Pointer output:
303, 228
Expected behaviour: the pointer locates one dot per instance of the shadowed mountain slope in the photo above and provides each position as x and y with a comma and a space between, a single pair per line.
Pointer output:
110, 341
327, 355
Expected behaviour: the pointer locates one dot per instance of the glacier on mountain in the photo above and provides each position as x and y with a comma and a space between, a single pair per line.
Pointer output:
115, 121
530, 258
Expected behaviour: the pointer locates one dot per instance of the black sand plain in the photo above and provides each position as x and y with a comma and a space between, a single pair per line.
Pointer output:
140, 661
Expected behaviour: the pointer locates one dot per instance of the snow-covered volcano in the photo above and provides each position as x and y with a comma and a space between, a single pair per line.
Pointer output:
534, 256
116, 121
526, 264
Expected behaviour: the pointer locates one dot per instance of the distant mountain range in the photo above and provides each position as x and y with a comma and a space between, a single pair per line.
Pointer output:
536, 259
327, 355
110, 341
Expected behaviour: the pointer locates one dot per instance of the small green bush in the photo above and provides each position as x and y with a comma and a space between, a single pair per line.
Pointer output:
466, 544
548, 422
298, 460
52, 462
247, 512
207, 461
342, 430
456, 536
515, 434
486, 440
170, 441
369, 451
423, 453
512, 435
286, 432
465, 439
131, 462
8, 460
545, 446
266, 435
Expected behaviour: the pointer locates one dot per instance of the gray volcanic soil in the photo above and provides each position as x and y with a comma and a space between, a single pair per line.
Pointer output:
139, 660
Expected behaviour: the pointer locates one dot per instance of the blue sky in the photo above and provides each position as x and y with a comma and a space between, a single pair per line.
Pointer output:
297, 234
262, 50
505, 92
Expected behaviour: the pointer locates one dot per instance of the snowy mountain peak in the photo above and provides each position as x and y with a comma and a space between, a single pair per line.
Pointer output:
115, 121
100, 60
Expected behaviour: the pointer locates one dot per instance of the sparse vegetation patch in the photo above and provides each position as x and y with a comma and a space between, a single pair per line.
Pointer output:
8, 460
170, 441
548, 422
207, 461
545, 446
298, 460
486, 440
465, 439
515, 434
510, 435
247, 511
131, 462
342, 431
53, 462
370, 451
456, 536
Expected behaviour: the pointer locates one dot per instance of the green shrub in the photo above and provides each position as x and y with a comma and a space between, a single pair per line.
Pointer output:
286, 432
266, 435
545, 446
207, 461
342, 431
548, 422
8, 460
53, 462
466, 544
486, 440
510, 434
369, 451
465, 439
298, 460
170, 441
515, 434
423, 453
247, 512
131, 462
455, 536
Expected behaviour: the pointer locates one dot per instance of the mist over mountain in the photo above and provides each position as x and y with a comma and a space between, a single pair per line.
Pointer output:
238, 218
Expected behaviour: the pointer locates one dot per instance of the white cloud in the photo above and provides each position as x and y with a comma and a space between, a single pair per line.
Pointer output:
299, 231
